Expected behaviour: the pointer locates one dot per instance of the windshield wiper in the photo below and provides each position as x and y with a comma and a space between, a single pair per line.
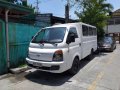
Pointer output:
44, 41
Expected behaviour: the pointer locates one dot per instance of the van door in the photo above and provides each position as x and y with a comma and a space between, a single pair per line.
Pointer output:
74, 48
85, 39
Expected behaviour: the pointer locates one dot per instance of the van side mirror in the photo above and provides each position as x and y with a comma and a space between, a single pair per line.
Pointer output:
71, 38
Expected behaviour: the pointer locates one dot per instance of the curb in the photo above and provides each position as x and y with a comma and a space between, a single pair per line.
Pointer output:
5, 76
19, 70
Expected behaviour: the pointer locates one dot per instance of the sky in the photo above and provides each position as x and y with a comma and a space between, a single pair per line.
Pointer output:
57, 7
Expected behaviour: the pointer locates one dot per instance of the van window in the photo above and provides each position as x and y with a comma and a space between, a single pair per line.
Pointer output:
74, 31
85, 30
94, 31
90, 31
50, 35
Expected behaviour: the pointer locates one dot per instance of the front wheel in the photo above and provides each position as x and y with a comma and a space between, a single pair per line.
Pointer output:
75, 67
115, 48
111, 49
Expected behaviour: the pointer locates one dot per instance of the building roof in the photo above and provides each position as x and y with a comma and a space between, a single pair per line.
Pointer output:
16, 12
13, 7
115, 19
116, 13
56, 19
47, 18
118, 10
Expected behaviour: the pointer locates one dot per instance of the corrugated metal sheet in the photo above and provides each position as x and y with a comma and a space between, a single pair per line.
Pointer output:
3, 67
19, 37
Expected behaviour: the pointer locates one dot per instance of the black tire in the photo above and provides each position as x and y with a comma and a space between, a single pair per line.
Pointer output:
75, 67
90, 57
115, 48
111, 49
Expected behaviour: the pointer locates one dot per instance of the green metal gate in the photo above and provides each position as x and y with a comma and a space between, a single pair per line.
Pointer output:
19, 39
3, 67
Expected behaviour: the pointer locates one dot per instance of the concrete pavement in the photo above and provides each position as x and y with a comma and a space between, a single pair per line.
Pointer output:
101, 73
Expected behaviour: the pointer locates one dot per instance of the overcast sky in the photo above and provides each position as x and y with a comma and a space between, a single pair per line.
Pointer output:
57, 7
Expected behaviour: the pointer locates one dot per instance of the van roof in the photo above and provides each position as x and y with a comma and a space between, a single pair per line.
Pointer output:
70, 24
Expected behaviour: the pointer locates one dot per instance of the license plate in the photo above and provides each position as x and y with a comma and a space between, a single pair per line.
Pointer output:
37, 64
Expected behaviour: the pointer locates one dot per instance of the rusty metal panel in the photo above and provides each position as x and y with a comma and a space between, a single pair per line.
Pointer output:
3, 67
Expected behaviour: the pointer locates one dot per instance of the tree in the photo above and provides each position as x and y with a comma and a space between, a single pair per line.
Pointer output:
24, 3
21, 2
12, 1
94, 12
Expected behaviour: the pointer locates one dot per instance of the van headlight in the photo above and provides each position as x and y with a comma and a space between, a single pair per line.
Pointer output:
58, 56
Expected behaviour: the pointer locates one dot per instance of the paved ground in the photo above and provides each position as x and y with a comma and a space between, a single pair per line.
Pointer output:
101, 73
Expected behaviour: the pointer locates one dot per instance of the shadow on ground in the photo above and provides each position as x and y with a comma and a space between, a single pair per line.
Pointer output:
52, 79
101, 54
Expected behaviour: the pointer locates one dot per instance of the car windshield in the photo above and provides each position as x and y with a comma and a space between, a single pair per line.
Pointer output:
50, 35
107, 40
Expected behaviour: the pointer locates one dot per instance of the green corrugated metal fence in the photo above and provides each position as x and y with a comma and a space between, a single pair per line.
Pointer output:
2, 48
19, 38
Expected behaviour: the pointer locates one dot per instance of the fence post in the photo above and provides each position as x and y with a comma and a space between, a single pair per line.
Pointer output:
7, 39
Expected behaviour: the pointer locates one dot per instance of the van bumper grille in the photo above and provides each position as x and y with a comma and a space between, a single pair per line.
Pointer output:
54, 67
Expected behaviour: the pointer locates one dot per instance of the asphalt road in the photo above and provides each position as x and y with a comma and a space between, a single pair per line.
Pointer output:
101, 73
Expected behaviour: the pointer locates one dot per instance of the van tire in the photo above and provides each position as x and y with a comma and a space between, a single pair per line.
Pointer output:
115, 48
75, 67
90, 57
111, 50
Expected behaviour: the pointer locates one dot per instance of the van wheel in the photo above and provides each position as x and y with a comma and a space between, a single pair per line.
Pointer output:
111, 49
115, 47
75, 67
90, 57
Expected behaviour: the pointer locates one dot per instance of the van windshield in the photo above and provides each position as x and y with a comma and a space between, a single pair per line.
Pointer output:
50, 35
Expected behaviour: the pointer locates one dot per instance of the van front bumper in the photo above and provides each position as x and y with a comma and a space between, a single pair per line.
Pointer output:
55, 67
105, 48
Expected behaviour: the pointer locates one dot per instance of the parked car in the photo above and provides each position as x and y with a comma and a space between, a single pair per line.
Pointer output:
60, 47
107, 44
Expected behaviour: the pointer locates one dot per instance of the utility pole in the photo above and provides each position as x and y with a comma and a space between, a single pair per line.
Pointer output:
37, 6
67, 8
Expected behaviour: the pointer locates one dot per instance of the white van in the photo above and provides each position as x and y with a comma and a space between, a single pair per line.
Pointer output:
60, 47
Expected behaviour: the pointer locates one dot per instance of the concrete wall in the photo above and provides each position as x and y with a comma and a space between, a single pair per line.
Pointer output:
113, 28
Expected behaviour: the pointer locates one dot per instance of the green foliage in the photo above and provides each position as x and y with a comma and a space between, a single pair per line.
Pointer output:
21, 2
10, 1
94, 12
24, 3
